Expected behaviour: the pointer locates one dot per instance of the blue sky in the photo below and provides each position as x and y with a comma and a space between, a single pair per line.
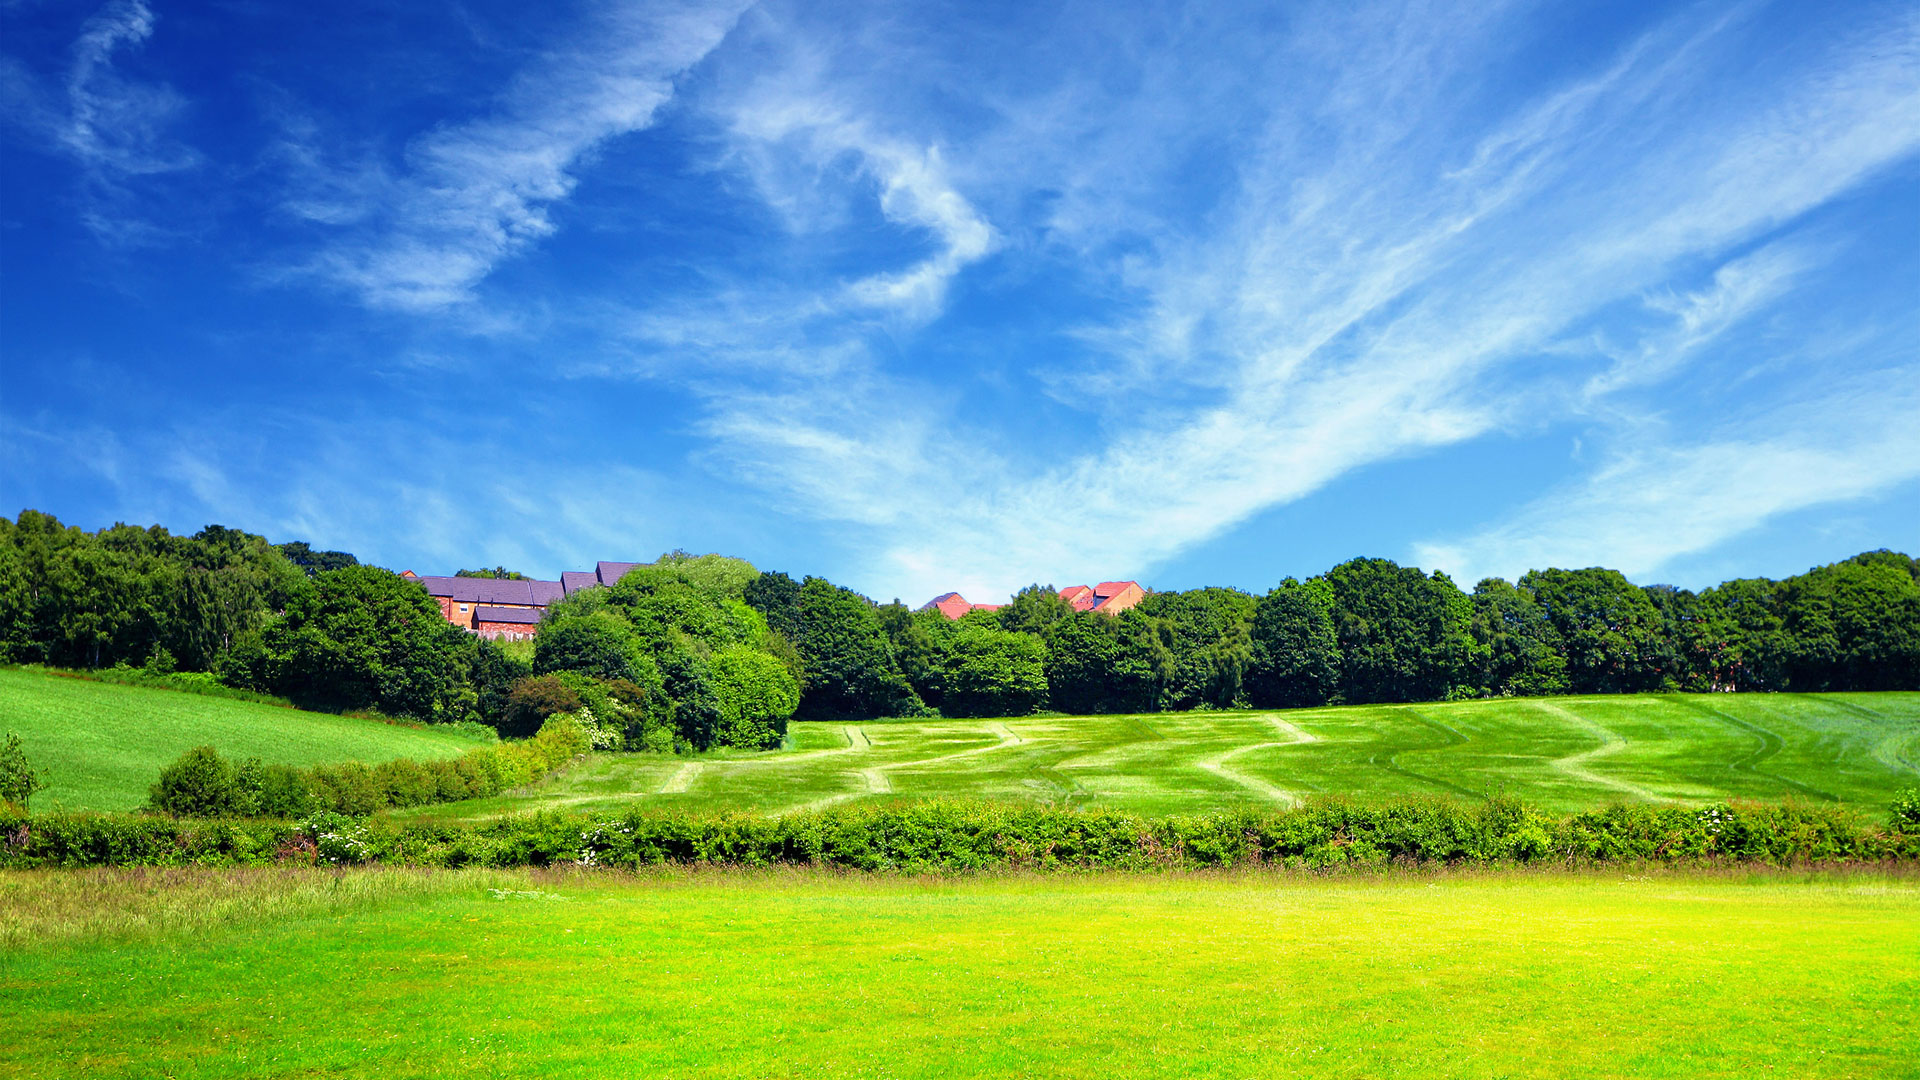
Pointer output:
963, 296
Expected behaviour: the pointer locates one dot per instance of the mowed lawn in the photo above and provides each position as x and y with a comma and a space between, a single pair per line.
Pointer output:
1555, 753
1515, 974
102, 744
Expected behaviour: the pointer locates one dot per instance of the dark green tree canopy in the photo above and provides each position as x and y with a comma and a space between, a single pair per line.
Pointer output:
682, 628
993, 672
1854, 625
602, 644
365, 638
1609, 627
1404, 635
1209, 632
1756, 641
1033, 610
698, 638
1105, 663
498, 573
312, 562
1296, 652
850, 666
78, 599
1522, 651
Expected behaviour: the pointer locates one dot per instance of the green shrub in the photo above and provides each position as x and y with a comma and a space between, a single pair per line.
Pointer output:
202, 784
756, 694
349, 788
18, 781
284, 792
1906, 810
404, 782
535, 698
199, 784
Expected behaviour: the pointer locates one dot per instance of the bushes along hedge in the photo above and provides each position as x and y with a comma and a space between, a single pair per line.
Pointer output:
958, 836
202, 784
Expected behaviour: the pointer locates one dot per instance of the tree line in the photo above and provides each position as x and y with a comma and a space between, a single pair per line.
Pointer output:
691, 652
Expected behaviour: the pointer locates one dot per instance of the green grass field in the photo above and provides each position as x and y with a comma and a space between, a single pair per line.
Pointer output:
394, 974
102, 744
1555, 753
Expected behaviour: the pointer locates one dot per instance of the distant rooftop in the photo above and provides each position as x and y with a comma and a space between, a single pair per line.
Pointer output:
524, 593
1108, 596
611, 572
523, 616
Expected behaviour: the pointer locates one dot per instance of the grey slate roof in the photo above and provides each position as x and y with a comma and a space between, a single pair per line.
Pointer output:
479, 590
611, 572
527, 616
466, 590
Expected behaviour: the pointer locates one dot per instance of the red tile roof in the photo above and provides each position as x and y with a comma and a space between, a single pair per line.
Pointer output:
951, 604
1082, 598
1094, 599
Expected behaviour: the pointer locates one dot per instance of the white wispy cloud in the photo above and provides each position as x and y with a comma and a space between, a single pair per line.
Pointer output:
117, 123
1740, 287
118, 129
1385, 276
789, 131
1647, 506
421, 235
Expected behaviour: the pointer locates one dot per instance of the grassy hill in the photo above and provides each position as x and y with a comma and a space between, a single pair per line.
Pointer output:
101, 744
1555, 753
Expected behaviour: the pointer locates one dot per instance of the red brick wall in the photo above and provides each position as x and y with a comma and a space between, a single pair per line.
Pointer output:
452, 613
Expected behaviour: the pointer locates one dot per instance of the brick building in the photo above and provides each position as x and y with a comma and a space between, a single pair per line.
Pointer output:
1108, 597
953, 605
1111, 597
495, 608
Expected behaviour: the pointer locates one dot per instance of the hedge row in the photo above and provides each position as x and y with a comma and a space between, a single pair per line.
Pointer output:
203, 784
949, 836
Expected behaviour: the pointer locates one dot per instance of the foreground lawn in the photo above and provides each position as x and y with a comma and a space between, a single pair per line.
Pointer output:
1558, 754
297, 973
102, 744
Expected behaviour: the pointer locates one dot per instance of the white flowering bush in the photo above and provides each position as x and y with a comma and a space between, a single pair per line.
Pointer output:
601, 734
1713, 820
339, 839
1906, 811
602, 839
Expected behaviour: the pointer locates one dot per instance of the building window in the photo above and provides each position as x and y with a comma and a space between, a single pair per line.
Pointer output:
463, 607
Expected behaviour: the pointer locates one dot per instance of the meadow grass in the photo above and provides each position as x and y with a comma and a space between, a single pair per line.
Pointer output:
803, 973
1558, 754
102, 744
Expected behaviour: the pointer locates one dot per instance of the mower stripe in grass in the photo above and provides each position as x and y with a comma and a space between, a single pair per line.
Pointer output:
1219, 767
1770, 745
1611, 742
